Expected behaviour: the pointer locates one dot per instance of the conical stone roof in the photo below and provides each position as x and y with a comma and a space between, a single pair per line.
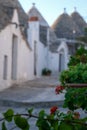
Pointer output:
33, 12
64, 27
35, 15
6, 13
78, 19
52, 35
54, 43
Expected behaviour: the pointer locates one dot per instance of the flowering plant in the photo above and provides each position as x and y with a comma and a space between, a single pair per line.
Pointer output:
53, 109
55, 120
59, 89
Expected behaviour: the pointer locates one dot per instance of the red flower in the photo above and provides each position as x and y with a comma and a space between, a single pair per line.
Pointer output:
53, 109
58, 89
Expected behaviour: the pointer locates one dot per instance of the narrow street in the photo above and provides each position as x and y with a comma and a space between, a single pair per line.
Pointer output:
38, 93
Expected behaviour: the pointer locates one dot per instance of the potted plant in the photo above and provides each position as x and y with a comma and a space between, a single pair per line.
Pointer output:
49, 72
46, 72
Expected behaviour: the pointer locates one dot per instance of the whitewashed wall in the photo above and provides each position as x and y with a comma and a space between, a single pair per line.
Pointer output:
64, 47
5, 49
41, 50
54, 58
53, 62
25, 63
24, 57
41, 58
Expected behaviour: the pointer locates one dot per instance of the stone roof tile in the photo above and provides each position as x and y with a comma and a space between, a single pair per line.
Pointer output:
35, 12
64, 27
78, 19
6, 13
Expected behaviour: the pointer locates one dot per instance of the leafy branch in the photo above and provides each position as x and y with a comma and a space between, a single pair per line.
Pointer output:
45, 121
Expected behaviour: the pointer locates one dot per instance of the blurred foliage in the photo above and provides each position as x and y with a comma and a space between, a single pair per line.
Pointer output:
74, 74
79, 57
52, 121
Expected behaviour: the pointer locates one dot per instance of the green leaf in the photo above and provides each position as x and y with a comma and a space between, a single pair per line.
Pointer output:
54, 124
42, 124
66, 126
21, 122
4, 126
30, 111
42, 114
8, 115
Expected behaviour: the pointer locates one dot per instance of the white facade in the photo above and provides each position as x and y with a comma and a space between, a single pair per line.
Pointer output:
63, 56
15, 56
39, 50
21, 61
58, 60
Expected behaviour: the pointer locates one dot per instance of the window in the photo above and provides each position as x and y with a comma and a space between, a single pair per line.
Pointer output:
43, 34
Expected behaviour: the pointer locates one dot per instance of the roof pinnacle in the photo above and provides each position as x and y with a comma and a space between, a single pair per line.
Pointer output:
33, 4
65, 10
75, 9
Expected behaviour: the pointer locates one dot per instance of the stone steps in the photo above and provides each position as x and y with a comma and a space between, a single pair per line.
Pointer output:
39, 104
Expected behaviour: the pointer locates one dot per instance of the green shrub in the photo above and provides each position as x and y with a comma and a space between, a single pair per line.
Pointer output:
75, 74
79, 57
75, 97
44, 71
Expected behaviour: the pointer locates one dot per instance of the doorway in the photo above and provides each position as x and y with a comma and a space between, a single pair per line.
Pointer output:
35, 58
14, 57
61, 62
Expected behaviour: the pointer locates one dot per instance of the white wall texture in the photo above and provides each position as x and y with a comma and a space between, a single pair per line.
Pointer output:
54, 58
5, 49
41, 50
25, 56
45, 58
24, 62
53, 62
41, 58
64, 47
